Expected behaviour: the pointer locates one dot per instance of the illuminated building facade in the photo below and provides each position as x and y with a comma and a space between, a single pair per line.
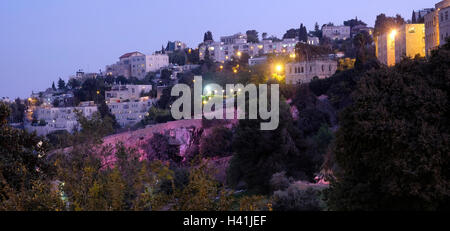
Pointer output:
136, 64
444, 24
437, 26
305, 71
385, 48
431, 31
410, 41
406, 41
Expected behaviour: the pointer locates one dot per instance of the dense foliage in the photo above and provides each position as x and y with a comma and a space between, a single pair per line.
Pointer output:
392, 147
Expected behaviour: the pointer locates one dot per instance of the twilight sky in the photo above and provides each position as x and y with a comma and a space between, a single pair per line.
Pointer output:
43, 40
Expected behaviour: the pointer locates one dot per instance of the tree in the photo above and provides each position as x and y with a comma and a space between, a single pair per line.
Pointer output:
178, 57
290, 34
274, 38
264, 35
53, 86
252, 36
260, 154
159, 147
208, 37
384, 24
317, 31
354, 22
303, 34
73, 83
217, 143
106, 114
298, 198
61, 84
392, 147
17, 111
364, 50
414, 19
203, 192
25, 173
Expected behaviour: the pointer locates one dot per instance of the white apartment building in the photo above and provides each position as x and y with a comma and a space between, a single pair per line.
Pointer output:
336, 32
131, 112
119, 93
136, 64
127, 105
221, 51
63, 118
238, 38
305, 71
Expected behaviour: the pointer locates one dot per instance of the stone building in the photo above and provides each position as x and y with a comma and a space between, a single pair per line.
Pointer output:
406, 41
437, 26
385, 48
305, 71
431, 31
444, 25
410, 41
336, 32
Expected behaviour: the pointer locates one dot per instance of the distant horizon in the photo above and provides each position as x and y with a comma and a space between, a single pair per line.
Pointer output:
50, 39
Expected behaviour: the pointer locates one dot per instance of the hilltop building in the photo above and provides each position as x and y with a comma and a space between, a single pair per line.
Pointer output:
305, 71
51, 119
175, 46
136, 64
235, 46
127, 103
437, 26
406, 41
409, 41
336, 32
120, 93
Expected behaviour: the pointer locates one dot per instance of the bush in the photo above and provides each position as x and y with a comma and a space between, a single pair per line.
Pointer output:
298, 198
217, 143
279, 181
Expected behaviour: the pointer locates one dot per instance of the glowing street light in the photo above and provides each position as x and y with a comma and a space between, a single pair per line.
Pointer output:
393, 34
279, 68
239, 54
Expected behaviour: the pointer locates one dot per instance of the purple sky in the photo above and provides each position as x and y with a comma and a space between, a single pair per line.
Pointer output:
43, 40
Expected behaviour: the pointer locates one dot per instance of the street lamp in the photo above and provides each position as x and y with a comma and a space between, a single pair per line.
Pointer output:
393, 34
278, 68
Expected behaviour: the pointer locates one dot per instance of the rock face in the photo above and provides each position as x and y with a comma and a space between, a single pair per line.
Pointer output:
185, 134
182, 133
